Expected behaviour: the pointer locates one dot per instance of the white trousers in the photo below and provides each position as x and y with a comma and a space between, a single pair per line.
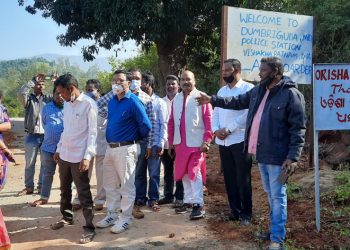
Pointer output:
119, 178
193, 190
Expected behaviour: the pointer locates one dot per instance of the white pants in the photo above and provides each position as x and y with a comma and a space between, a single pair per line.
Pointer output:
119, 178
193, 190
100, 197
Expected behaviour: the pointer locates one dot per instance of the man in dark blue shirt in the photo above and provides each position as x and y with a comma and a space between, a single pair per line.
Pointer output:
127, 125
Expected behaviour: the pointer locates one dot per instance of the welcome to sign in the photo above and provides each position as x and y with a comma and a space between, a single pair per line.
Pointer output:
249, 35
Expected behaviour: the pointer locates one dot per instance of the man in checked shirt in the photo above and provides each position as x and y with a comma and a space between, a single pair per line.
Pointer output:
146, 100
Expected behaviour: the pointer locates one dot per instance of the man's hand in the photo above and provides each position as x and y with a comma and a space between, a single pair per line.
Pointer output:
148, 153
221, 133
171, 152
205, 147
84, 165
160, 151
56, 157
203, 99
290, 166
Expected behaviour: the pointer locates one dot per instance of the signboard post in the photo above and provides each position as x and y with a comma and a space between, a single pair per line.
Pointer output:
249, 35
331, 98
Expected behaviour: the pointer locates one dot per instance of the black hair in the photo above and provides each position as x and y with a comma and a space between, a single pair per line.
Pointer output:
66, 81
274, 63
172, 77
149, 79
94, 82
119, 71
134, 70
235, 63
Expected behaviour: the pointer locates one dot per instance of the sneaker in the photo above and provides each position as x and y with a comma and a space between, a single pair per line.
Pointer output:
276, 246
165, 201
120, 226
197, 212
108, 220
186, 207
178, 203
137, 213
25, 191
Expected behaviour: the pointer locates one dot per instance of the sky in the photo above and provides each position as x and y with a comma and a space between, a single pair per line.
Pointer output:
26, 35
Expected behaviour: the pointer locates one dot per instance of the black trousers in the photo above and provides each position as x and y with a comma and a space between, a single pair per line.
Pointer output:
168, 164
69, 172
236, 166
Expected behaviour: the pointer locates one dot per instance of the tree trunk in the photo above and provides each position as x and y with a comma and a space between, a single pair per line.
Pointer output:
171, 59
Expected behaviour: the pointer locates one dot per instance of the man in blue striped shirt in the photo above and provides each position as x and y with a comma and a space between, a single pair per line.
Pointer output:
52, 120
127, 125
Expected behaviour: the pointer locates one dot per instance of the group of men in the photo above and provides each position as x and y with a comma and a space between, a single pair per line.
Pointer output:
130, 130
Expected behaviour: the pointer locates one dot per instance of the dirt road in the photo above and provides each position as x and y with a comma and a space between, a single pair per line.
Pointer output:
29, 227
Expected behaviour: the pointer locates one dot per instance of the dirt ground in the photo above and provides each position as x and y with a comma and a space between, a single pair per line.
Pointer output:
29, 227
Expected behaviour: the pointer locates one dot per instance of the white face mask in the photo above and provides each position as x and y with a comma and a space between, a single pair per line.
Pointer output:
135, 85
117, 89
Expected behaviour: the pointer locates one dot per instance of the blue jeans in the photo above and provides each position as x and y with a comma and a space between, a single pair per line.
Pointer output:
153, 166
32, 146
49, 168
277, 195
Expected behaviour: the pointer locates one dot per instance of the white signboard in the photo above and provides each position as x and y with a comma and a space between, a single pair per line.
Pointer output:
332, 96
253, 34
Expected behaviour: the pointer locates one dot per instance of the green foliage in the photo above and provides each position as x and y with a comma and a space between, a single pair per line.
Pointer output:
293, 191
342, 191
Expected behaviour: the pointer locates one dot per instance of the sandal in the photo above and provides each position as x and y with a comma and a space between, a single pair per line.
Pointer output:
59, 224
154, 206
87, 237
39, 203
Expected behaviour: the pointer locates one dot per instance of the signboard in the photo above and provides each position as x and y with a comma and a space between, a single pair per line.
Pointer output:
332, 96
249, 35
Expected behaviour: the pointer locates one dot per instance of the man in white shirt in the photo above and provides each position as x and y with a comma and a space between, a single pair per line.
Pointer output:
74, 151
229, 128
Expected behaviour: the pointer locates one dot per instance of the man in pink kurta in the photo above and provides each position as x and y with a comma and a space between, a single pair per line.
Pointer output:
190, 133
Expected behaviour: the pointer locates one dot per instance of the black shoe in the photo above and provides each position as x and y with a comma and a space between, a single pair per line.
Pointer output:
197, 212
140, 203
233, 217
183, 209
178, 203
165, 201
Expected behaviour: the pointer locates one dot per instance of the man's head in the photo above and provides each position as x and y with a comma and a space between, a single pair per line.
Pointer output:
120, 83
148, 83
270, 69
171, 85
39, 84
67, 86
57, 98
93, 89
187, 81
231, 70
136, 77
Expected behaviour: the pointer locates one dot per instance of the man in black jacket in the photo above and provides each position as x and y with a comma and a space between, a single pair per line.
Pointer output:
33, 99
275, 132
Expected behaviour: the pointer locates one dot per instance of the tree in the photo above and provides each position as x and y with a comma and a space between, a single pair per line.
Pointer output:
172, 26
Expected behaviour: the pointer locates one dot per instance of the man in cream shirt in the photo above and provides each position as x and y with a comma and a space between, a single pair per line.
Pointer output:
74, 151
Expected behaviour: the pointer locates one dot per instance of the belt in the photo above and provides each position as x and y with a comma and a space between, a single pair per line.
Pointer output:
120, 144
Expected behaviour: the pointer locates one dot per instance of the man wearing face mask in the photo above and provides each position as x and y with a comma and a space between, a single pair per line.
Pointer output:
33, 104
52, 120
127, 125
275, 132
76, 148
229, 127
93, 90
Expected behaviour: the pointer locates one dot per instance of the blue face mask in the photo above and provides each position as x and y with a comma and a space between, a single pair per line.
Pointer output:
93, 95
135, 85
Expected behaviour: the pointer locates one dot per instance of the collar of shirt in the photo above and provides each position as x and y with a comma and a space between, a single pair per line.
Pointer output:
127, 95
237, 85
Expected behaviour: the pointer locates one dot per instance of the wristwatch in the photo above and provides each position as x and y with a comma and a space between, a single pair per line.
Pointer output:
228, 131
